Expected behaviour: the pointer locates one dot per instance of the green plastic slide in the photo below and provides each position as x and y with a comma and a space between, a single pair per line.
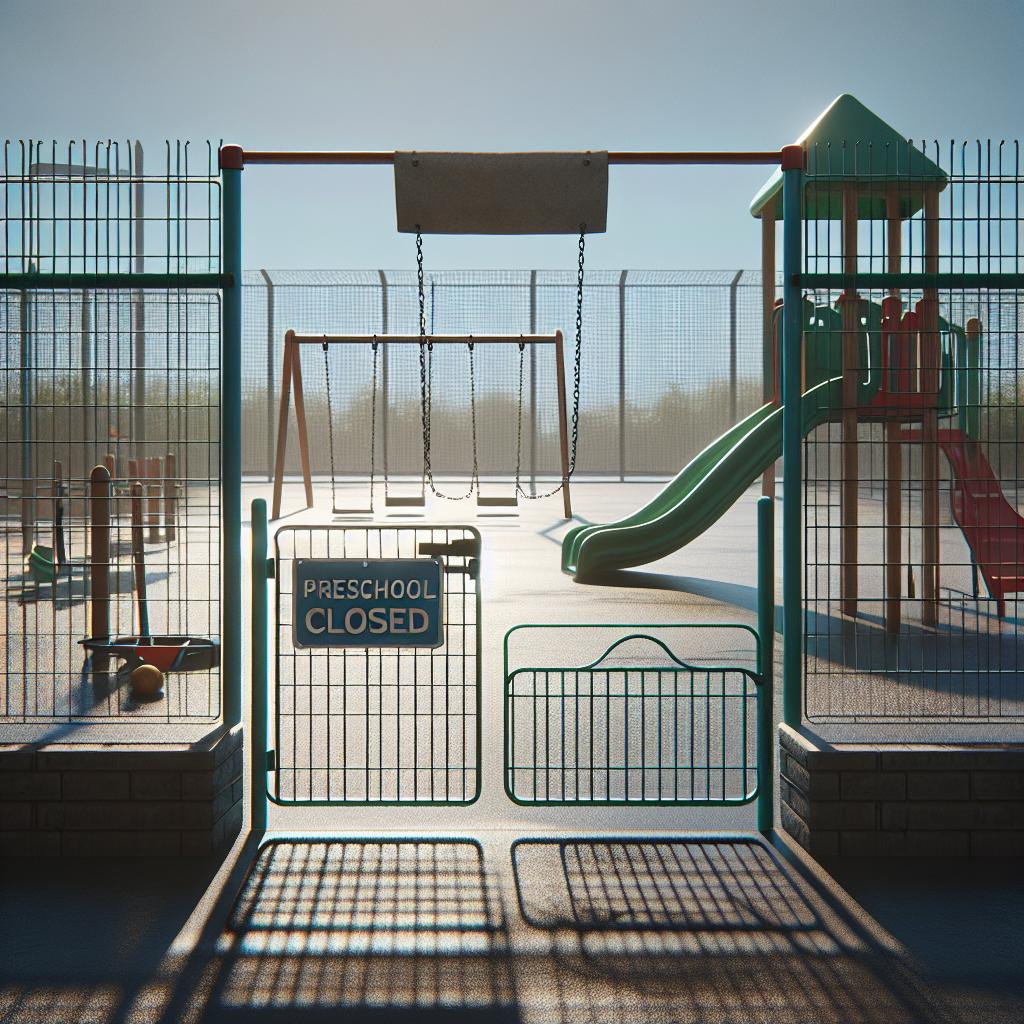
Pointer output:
698, 495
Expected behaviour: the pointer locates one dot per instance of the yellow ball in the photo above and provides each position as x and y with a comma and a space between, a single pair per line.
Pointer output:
147, 680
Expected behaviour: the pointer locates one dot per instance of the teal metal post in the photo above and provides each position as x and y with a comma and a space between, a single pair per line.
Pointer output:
766, 665
792, 434
231, 433
260, 681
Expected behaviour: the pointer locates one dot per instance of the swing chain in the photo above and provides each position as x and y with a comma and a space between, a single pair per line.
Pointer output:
426, 390
579, 352
575, 384
373, 420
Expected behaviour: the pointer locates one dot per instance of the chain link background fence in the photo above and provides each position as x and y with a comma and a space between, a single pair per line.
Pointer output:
670, 360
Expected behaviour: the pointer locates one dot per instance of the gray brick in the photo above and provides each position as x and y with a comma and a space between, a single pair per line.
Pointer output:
227, 771
201, 842
122, 815
49, 816
30, 786
997, 844
17, 759
96, 786
794, 825
72, 758
15, 816
227, 744
965, 815
121, 844
843, 761
1008, 814
938, 785
197, 785
818, 785
792, 796
843, 814
29, 844
893, 816
230, 823
797, 774
953, 757
794, 744
156, 786
873, 786
872, 844
922, 843
997, 785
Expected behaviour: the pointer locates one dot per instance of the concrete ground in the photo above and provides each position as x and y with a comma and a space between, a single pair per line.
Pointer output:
501, 912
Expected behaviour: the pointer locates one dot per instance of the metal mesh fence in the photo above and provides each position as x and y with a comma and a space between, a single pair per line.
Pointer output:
126, 379
669, 361
914, 542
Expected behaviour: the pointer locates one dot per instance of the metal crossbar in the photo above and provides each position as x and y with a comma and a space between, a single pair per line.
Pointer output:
388, 726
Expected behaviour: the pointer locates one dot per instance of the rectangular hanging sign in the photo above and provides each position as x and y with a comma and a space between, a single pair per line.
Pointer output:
366, 602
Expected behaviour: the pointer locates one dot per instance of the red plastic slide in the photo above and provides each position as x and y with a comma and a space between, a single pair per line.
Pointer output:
990, 524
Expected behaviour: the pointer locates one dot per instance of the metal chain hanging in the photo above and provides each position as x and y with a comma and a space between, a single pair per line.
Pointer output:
575, 385
373, 423
426, 391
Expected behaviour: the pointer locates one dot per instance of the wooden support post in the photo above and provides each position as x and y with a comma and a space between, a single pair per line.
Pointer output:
769, 341
291, 377
282, 425
170, 496
154, 471
893, 452
99, 563
929, 370
563, 426
111, 463
300, 419
850, 305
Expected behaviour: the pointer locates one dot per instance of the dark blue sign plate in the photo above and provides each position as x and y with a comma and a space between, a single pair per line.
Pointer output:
368, 602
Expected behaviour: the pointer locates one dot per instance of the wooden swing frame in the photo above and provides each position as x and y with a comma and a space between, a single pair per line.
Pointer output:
291, 382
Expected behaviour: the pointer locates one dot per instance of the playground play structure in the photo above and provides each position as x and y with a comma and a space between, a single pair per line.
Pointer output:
861, 362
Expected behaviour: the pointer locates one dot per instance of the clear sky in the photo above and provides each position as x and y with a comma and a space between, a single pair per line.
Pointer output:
515, 74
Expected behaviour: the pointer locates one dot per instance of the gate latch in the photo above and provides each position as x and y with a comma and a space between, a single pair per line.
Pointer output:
464, 547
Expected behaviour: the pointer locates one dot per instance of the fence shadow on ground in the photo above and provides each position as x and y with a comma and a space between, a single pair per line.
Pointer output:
647, 930
363, 930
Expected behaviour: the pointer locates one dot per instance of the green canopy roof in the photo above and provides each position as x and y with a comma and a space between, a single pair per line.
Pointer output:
848, 143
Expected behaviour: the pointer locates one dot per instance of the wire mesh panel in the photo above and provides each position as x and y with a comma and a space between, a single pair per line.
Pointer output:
914, 535
670, 359
121, 378
395, 725
638, 725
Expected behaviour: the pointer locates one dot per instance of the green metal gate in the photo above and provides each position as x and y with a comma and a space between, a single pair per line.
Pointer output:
376, 726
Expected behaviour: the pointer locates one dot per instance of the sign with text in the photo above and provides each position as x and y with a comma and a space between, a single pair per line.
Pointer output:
365, 602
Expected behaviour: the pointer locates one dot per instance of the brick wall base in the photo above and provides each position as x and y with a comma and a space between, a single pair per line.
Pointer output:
67, 800
902, 800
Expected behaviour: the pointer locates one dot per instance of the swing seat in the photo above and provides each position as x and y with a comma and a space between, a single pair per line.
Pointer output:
497, 501
405, 500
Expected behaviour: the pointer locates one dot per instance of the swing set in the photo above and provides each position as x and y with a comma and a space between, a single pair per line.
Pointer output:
461, 193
